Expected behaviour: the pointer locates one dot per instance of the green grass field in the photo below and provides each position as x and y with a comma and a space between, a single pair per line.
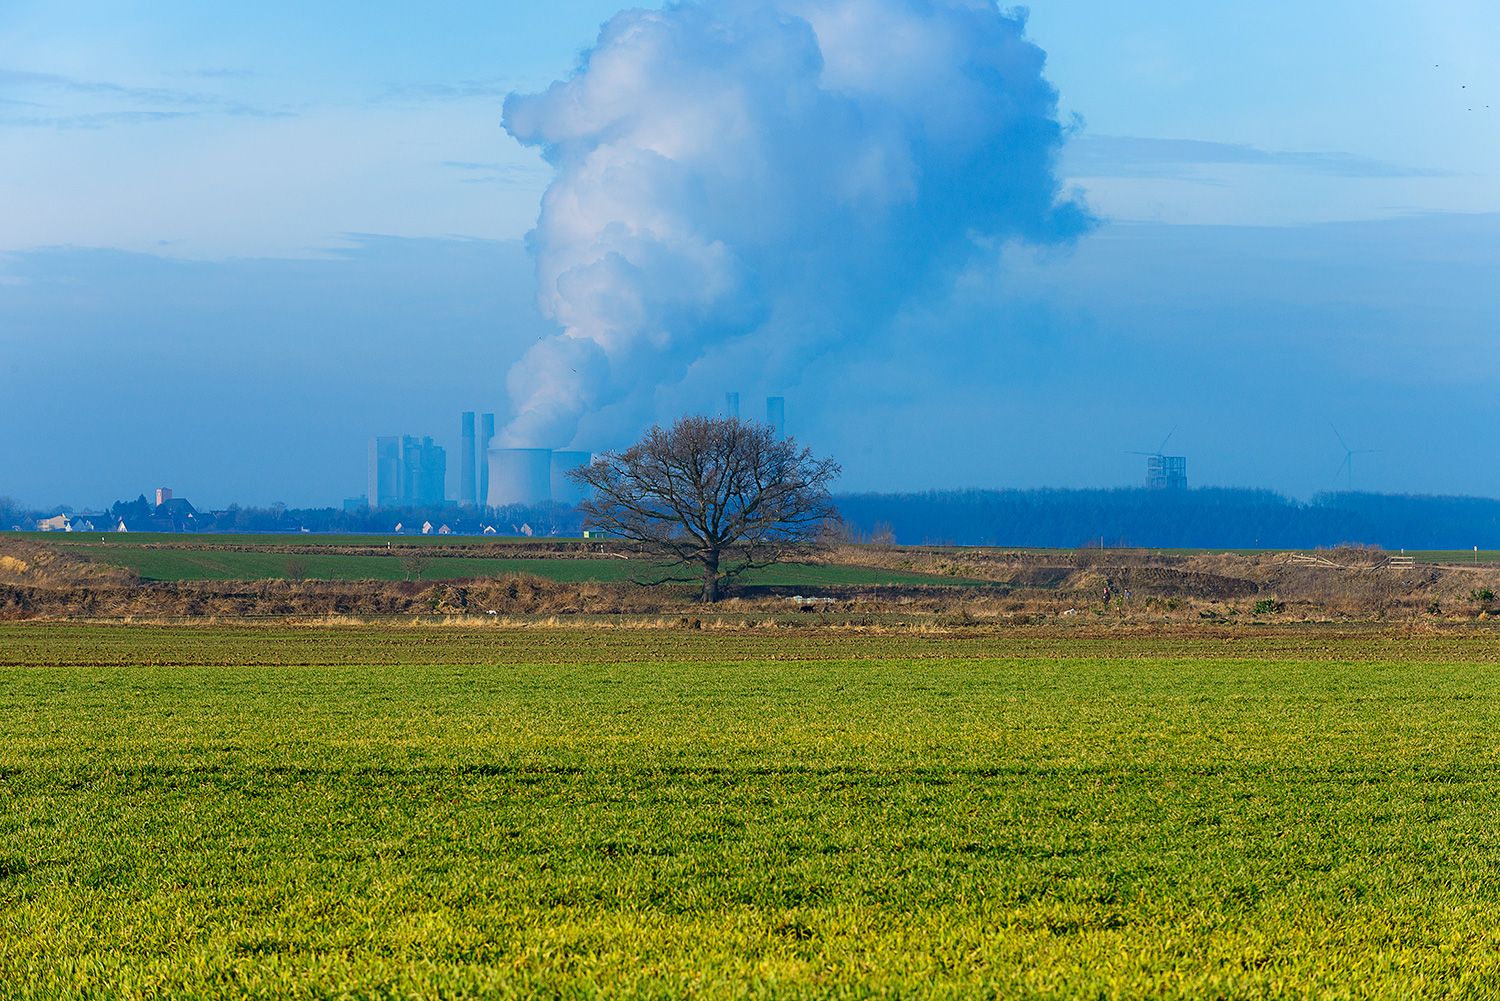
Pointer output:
199, 564
1456, 556
184, 564
447, 812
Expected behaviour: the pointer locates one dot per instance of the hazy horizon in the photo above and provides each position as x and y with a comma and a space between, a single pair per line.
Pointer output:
239, 244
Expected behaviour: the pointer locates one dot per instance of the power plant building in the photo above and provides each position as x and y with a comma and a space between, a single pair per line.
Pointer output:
405, 471
1166, 472
466, 484
384, 489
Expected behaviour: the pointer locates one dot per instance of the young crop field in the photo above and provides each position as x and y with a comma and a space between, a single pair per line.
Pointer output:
423, 811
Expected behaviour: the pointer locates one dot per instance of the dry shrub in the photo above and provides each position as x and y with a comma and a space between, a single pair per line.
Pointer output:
33, 564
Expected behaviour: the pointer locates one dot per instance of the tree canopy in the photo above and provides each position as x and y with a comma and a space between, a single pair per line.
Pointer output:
715, 494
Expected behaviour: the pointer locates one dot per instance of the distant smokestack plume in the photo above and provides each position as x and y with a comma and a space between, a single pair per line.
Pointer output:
787, 171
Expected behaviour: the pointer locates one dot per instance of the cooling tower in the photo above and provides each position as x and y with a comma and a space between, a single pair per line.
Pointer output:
519, 476
564, 490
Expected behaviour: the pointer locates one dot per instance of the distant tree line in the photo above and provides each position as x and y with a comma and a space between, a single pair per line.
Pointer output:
1160, 519
1172, 519
177, 515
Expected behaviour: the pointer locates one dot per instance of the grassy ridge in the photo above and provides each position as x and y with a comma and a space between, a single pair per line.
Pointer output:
569, 813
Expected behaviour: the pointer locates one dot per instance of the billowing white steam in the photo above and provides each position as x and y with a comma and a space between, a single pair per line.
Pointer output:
786, 170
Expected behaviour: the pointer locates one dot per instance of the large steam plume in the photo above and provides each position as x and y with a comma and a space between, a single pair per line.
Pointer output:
786, 171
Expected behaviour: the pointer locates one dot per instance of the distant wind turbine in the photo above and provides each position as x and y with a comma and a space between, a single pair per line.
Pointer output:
1349, 454
1162, 450
1162, 471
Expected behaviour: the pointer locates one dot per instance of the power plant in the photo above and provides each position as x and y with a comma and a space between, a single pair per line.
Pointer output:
406, 471
466, 484
775, 412
532, 476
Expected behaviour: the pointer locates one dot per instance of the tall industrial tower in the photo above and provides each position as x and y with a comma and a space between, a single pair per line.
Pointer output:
486, 433
776, 415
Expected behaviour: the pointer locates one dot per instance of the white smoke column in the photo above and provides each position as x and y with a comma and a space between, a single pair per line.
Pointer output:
787, 170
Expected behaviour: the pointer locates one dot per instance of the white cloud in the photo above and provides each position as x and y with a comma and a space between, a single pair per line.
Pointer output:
784, 173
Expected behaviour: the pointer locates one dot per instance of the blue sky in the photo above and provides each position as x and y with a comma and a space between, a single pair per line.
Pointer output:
236, 243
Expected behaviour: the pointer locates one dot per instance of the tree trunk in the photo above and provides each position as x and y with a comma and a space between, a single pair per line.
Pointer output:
710, 581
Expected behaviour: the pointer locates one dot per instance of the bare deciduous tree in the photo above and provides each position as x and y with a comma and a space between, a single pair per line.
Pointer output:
414, 560
719, 495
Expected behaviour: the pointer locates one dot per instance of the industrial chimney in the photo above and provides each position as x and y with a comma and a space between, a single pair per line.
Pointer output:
486, 432
776, 415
